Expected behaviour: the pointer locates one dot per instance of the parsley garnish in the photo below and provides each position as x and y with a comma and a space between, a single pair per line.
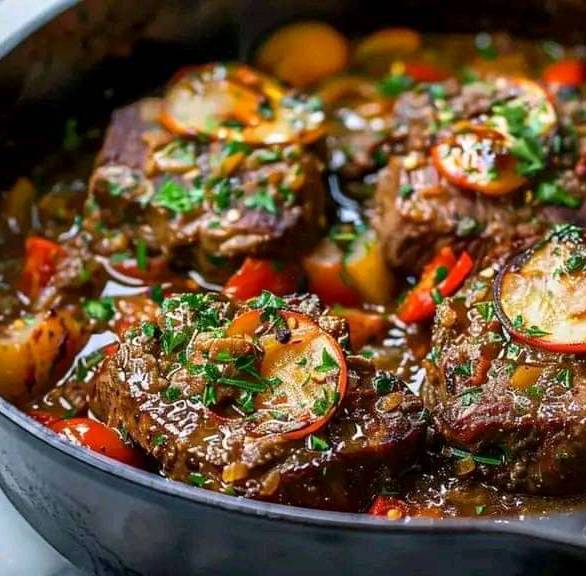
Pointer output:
555, 193
394, 84
328, 363
323, 405
159, 440
565, 378
261, 200
178, 198
464, 369
480, 458
101, 309
141, 254
486, 310
197, 479
171, 394
317, 443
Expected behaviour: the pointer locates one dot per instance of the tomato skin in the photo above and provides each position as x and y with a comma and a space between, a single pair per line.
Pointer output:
566, 72
424, 72
256, 275
419, 305
43, 417
40, 263
382, 505
98, 438
327, 278
364, 326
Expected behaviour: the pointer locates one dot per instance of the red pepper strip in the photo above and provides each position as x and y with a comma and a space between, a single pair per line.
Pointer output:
40, 263
424, 72
256, 275
568, 72
419, 304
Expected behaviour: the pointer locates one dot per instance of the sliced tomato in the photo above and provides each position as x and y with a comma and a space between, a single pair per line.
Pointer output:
420, 304
367, 270
40, 263
256, 275
539, 294
364, 326
310, 370
98, 438
327, 276
425, 72
566, 72
478, 159
390, 507
235, 102
44, 417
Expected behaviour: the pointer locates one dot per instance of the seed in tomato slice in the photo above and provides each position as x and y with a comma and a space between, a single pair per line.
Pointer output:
478, 159
539, 294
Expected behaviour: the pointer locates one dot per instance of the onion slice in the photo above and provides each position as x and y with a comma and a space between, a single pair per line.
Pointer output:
539, 294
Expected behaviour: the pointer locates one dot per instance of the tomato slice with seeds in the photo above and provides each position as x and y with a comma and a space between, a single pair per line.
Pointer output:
235, 102
98, 438
307, 369
40, 264
478, 158
539, 294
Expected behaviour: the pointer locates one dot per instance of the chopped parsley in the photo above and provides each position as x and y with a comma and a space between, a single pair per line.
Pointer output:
394, 84
441, 274
328, 363
156, 293
197, 479
384, 383
317, 443
479, 458
261, 200
555, 193
209, 396
323, 405
178, 198
149, 329
171, 394
470, 396
565, 378
101, 309
406, 191
142, 254
486, 310
436, 296
464, 369
269, 303
159, 440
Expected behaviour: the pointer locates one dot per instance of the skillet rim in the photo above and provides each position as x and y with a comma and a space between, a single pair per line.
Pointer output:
9, 40
285, 513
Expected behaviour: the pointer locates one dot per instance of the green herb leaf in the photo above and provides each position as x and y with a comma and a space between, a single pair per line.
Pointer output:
317, 443
101, 309
328, 363
178, 198
554, 193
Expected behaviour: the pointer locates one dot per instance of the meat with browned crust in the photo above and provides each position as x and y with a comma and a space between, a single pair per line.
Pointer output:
376, 432
201, 203
518, 410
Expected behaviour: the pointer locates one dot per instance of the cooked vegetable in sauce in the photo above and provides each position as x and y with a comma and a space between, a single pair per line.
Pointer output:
346, 275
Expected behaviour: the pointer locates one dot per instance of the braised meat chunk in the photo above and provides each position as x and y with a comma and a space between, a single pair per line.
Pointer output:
476, 165
214, 171
261, 400
507, 379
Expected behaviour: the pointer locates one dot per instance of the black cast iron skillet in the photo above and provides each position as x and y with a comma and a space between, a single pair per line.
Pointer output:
111, 519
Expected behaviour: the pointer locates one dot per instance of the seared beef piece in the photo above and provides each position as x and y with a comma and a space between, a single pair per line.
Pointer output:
376, 431
413, 200
198, 202
494, 396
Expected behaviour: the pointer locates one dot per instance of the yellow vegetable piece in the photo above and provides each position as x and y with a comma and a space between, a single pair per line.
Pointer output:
394, 42
304, 53
35, 352
367, 270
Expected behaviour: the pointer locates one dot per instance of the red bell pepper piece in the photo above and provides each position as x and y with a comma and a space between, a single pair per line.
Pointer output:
40, 264
424, 72
419, 305
567, 72
256, 275
383, 504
